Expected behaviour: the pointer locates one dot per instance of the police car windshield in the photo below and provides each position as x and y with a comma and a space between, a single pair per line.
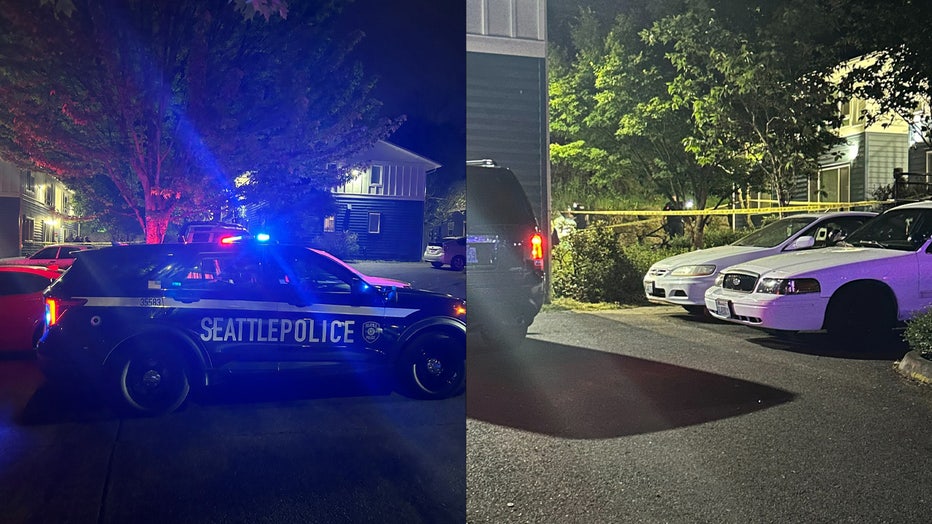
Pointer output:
773, 234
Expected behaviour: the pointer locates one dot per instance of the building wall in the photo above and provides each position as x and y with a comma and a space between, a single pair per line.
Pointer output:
36, 196
884, 152
402, 182
506, 119
401, 231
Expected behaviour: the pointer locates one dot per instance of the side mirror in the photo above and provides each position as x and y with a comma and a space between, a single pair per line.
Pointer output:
803, 242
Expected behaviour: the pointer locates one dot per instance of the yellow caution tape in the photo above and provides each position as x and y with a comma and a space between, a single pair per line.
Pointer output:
792, 208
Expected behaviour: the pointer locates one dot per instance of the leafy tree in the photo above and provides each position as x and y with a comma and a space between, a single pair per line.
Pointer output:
757, 111
170, 101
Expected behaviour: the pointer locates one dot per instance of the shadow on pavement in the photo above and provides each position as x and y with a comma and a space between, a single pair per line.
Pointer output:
573, 392
57, 404
890, 347
286, 387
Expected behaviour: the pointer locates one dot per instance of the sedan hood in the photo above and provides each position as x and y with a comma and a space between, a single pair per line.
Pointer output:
721, 256
803, 263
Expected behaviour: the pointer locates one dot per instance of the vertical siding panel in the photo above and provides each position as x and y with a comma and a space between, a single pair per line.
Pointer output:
506, 117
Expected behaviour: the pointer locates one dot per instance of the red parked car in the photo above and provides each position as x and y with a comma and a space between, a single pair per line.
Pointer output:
22, 305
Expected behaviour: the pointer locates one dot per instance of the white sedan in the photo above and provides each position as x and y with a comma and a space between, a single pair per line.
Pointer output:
683, 279
881, 274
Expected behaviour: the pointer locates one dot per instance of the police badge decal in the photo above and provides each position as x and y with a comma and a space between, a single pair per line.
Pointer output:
371, 331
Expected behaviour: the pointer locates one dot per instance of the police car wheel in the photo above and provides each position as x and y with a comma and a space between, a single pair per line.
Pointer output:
433, 366
458, 263
151, 380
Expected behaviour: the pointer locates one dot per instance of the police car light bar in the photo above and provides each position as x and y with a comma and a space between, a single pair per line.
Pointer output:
231, 239
263, 237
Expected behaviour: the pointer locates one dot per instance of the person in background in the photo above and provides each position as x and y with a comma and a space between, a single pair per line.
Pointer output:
565, 223
582, 220
673, 224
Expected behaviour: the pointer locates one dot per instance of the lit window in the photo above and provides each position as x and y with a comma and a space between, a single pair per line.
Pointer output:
30, 181
375, 222
375, 176
330, 224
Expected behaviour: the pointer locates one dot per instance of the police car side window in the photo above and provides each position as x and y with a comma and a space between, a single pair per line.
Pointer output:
303, 271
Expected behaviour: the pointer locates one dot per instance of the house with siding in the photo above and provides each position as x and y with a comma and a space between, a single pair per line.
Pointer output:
865, 161
33, 210
384, 203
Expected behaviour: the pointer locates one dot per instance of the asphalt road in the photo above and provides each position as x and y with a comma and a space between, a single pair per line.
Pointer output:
278, 449
649, 415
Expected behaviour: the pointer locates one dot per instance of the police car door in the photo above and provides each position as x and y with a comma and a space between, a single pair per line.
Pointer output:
331, 315
224, 298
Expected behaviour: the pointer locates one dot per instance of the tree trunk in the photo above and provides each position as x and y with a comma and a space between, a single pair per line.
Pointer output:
156, 224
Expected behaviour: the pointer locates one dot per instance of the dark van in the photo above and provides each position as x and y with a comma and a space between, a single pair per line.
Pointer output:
504, 255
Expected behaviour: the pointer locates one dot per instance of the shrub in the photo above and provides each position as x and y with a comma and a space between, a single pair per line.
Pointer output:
341, 244
919, 333
591, 265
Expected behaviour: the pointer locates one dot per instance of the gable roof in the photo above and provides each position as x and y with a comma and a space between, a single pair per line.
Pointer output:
384, 151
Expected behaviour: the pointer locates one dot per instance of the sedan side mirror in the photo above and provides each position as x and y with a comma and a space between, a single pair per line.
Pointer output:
803, 242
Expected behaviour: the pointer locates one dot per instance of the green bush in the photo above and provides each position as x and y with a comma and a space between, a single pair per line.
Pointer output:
919, 333
601, 264
591, 265
341, 244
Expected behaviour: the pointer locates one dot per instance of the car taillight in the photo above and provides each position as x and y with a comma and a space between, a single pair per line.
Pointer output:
54, 307
537, 250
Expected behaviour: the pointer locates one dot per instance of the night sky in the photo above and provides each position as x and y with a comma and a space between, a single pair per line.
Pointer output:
417, 48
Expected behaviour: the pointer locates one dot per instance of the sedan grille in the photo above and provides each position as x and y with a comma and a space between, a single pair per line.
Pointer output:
657, 272
740, 282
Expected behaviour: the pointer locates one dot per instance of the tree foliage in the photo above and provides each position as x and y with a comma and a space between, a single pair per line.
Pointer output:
694, 98
171, 101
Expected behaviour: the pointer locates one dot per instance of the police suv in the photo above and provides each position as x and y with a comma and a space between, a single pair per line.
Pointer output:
148, 322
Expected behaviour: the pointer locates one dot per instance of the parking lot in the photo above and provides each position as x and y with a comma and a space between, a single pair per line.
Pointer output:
651, 415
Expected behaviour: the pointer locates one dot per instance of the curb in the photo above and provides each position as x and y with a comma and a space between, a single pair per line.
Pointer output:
916, 367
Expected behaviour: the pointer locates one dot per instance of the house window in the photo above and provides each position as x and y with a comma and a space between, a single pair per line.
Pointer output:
831, 185
375, 176
29, 229
375, 222
330, 224
30, 180
928, 161
50, 195
851, 112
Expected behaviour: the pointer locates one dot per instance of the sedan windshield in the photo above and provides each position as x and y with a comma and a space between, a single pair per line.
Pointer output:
904, 229
773, 234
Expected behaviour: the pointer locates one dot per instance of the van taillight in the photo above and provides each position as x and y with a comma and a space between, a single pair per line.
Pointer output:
537, 250
54, 307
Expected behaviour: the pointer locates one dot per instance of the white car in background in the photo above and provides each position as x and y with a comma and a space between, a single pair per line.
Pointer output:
683, 279
881, 274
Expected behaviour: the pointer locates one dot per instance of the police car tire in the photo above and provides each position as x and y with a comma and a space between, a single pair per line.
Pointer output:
458, 263
433, 366
151, 380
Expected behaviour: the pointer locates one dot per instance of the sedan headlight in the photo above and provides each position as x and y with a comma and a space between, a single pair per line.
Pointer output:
719, 279
693, 271
788, 286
